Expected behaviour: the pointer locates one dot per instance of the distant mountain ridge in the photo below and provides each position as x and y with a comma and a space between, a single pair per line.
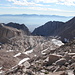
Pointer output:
40, 15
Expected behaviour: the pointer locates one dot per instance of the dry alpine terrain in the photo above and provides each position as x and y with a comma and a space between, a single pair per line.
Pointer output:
24, 54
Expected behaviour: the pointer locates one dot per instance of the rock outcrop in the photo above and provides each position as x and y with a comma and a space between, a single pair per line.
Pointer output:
7, 32
27, 54
67, 32
53, 58
63, 62
21, 27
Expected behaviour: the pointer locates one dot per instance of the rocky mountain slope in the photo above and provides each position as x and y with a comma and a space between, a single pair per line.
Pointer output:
48, 29
7, 32
21, 27
25, 50
68, 30
63, 30
20, 51
47, 56
35, 55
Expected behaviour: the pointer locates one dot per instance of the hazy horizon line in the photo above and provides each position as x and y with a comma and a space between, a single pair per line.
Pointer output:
32, 15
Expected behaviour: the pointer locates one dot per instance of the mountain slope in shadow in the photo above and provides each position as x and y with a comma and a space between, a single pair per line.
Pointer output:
63, 30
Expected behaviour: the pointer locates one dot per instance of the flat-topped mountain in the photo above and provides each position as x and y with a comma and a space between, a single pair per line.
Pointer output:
21, 27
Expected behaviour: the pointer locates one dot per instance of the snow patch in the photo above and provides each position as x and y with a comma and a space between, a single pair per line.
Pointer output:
27, 52
70, 72
1, 68
17, 55
43, 53
57, 42
23, 60
35, 55
1, 72
10, 51
66, 40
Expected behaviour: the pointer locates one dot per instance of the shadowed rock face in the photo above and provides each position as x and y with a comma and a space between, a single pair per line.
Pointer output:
64, 30
48, 29
8, 32
68, 30
21, 27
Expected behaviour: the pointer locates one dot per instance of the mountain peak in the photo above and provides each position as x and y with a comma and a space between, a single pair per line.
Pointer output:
48, 29
22, 27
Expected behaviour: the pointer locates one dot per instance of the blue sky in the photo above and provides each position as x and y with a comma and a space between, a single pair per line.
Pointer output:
47, 7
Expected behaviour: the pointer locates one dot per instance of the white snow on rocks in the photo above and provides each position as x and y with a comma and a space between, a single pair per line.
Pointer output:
27, 52
10, 51
70, 72
1, 68
66, 40
35, 55
17, 55
1, 72
57, 42
43, 53
23, 60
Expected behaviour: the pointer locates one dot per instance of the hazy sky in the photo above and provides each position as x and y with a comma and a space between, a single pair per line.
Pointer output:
47, 7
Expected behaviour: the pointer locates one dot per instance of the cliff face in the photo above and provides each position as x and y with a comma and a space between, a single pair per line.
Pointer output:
68, 31
48, 29
21, 27
8, 32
